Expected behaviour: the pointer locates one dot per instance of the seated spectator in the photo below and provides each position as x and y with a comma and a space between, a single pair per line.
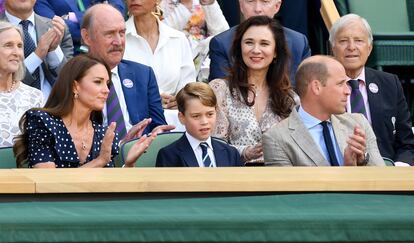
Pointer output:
134, 94
376, 94
257, 93
200, 20
16, 97
196, 148
47, 44
319, 132
68, 131
220, 45
72, 12
153, 43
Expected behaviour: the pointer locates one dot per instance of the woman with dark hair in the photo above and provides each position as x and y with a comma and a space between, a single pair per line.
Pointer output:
257, 93
67, 132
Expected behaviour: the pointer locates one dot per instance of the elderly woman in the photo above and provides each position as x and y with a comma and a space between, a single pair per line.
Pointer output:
15, 96
257, 93
68, 131
153, 43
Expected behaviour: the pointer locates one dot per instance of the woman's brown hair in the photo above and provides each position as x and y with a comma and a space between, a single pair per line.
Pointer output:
60, 102
277, 78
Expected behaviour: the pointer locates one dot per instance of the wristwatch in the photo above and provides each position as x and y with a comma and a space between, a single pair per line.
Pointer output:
365, 160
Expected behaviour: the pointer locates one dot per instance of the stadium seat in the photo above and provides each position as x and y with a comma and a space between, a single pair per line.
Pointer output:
8, 161
148, 159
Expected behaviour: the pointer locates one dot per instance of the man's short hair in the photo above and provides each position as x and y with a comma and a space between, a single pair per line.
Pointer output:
196, 90
313, 69
344, 22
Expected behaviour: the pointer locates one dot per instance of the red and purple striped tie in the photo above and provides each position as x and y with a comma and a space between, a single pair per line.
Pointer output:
114, 112
357, 101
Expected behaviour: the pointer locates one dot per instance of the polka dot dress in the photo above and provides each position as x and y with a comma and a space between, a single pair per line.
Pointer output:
50, 141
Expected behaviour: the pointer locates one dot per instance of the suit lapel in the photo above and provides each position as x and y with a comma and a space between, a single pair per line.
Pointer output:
129, 93
187, 152
40, 26
218, 149
374, 99
303, 138
340, 133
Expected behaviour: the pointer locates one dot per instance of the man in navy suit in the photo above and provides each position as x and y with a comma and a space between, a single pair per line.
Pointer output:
381, 94
103, 31
72, 13
196, 148
220, 45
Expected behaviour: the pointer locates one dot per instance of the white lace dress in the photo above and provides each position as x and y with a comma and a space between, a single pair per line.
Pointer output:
236, 121
12, 106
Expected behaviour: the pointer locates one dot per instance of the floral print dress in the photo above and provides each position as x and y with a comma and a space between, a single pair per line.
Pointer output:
236, 121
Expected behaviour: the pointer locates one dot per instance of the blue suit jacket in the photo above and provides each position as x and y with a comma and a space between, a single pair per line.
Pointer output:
395, 140
180, 154
143, 98
50, 8
220, 47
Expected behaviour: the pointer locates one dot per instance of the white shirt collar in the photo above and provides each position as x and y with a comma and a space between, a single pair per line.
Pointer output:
16, 21
195, 143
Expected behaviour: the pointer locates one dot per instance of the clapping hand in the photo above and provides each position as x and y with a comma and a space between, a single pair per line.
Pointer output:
355, 150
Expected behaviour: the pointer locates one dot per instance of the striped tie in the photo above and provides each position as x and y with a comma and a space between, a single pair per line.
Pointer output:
114, 112
29, 47
206, 158
357, 102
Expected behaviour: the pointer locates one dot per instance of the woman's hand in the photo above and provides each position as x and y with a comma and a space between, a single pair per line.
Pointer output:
106, 148
137, 130
253, 152
138, 149
168, 101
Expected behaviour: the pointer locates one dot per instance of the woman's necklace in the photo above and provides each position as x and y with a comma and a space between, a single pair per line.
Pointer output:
83, 140
13, 84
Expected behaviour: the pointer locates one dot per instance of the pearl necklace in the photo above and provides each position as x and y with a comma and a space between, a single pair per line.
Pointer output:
9, 90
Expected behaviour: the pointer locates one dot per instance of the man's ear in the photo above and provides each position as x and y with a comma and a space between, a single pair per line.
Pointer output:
370, 48
86, 37
278, 4
181, 117
315, 86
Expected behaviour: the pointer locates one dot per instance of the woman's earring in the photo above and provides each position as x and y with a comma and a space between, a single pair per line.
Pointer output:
158, 11
75, 96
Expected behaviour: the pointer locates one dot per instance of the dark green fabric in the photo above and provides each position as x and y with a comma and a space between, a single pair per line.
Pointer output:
316, 217
7, 159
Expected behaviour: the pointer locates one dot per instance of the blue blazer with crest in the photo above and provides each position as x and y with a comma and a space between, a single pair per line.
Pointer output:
180, 154
390, 117
142, 98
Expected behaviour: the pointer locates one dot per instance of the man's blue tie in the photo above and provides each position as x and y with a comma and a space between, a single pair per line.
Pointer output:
206, 158
357, 101
329, 144
29, 47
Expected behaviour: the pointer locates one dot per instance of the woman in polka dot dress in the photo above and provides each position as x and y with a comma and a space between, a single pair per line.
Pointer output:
67, 132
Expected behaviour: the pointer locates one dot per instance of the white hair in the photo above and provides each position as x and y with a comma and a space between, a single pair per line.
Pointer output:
343, 22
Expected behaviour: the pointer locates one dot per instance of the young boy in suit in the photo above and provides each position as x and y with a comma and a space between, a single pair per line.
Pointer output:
196, 148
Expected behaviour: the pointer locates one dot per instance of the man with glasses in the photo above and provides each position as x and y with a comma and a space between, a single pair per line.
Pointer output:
220, 45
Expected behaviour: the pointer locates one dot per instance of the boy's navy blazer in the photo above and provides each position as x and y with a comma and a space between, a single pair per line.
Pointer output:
141, 93
180, 154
